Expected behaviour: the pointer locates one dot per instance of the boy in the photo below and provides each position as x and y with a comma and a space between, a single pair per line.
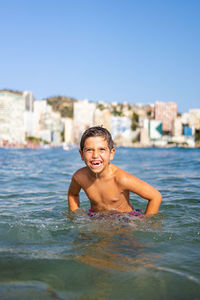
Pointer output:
106, 185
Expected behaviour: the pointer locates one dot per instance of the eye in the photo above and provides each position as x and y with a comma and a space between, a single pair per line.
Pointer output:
103, 149
88, 150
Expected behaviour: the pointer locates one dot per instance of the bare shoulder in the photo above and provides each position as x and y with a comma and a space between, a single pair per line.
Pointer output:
120, 175
76, 182
80, 175
125, 179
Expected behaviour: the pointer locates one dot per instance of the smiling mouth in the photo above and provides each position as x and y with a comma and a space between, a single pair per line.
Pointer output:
96, 164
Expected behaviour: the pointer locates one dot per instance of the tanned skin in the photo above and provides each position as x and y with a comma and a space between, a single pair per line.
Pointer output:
106, 185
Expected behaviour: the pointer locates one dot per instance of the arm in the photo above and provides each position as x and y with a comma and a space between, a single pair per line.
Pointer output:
73, 195
144, 190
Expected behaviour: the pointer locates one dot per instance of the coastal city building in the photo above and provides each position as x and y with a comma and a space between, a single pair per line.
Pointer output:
48, 124
16, 116
121, 130
102, 118
144, 132
167, 113
184, 128
68, 132
151, 133
155, 130
194, 119
60, 121
29, 113
83, 117
177, 127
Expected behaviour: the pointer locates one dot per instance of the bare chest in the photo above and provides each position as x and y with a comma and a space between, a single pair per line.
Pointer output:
105, 194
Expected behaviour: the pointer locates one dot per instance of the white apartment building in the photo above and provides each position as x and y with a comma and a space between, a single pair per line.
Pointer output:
16, 116
155, 129
68, 125
177, 127
194, 118
190, 119
102, 118
121, 130
48, 124
144, 132
83, 118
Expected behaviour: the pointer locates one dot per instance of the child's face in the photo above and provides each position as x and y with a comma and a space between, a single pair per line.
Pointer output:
96, 153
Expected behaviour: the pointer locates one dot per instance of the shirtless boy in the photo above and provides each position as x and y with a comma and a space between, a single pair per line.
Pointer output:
106, 185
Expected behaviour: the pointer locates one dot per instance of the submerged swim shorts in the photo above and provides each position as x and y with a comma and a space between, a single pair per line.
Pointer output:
135, 212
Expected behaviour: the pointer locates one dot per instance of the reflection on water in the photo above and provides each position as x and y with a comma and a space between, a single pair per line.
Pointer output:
120, 253
110, 242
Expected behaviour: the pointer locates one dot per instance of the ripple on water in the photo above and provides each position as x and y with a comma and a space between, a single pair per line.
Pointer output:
43, 248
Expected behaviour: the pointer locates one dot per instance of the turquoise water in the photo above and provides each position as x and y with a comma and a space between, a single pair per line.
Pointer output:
47, 253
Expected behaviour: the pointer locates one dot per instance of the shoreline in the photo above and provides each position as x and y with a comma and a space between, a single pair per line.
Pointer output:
49, 146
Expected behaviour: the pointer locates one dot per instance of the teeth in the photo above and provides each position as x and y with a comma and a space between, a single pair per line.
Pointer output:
96, 163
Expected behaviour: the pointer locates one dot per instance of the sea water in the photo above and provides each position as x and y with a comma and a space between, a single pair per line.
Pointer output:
48, 253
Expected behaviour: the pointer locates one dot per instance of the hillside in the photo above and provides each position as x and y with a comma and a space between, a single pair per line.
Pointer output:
62, 104
12, 91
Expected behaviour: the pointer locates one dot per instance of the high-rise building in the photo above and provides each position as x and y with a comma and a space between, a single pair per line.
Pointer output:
48, 124
102, 118
166, 112
120, 129
83, 118
144, 132
194, 118
68, 132
16, 116
178, 127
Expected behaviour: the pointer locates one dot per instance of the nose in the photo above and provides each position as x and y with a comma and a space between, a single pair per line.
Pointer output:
95, 153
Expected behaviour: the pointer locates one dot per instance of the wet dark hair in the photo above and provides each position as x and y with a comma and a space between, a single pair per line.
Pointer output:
97, 131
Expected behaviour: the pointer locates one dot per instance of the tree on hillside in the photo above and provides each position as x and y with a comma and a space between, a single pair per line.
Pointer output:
134, 121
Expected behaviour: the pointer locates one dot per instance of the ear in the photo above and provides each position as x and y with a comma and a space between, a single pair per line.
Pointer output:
112, 153
81, 154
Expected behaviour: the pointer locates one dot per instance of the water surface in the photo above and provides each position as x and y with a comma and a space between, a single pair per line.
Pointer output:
47, 253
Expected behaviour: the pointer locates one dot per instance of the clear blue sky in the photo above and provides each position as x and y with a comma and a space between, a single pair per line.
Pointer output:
111, 50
